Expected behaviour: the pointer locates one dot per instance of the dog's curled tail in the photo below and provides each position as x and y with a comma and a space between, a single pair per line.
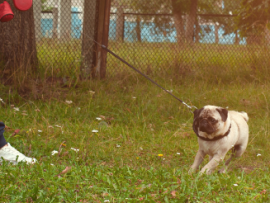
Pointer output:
245, 116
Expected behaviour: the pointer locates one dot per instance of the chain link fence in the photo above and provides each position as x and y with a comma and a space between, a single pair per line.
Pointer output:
162, 37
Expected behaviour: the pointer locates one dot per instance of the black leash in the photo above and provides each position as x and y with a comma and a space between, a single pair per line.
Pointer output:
125, 62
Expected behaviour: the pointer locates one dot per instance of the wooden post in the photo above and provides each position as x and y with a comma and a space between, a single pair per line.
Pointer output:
88, 34
103, 35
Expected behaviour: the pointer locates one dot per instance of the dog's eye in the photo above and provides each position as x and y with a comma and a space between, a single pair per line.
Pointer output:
212, 120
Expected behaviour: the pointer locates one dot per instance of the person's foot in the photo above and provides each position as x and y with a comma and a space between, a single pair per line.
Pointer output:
12, 155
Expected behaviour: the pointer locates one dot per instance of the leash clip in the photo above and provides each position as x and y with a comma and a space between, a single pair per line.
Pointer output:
189, 107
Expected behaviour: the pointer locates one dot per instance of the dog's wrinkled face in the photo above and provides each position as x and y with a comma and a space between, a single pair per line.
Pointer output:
209, 120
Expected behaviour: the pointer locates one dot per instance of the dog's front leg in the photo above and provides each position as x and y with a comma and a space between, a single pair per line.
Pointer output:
198, 160
211, 165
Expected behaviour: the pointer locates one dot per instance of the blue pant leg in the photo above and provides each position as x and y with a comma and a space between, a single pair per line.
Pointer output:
2, 138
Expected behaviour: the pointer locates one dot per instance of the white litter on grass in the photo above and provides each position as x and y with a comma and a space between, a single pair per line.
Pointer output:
40, 131
106, 200
94, 131
99, 119
91, 92
170, 91
178, 153
68, 102
74, 149
259, 155
118, 145
16, 109
54, 152
235, 185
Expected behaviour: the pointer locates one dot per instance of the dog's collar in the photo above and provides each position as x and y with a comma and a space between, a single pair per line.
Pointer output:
215, 138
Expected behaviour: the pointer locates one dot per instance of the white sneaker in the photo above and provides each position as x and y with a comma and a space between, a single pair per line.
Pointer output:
12, 155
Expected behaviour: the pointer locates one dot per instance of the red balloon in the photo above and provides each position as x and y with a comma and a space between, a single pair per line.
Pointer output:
23, 5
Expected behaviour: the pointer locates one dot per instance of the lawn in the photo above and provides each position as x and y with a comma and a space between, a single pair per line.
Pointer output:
125, 140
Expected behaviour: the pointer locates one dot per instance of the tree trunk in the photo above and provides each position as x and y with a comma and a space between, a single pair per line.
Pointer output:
89, 32
191, 19
178, 22
120, 23
18, 42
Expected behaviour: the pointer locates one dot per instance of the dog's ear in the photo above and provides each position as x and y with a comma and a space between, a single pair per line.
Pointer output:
195, 120
223, 113
197, 113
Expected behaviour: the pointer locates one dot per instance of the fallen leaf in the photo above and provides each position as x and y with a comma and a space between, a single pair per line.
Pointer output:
173, 193
178, 181
15, 132
103, 117
84, 201
105, 194
64, 154
67, 169
7, 128
128, 110
185, 134
60, 147
263, 192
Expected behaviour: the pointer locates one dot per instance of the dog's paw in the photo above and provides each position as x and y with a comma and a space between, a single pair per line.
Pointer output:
223, 170
206, 171
191, 171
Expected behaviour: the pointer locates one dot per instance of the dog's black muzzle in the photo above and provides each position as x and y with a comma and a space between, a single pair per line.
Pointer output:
204, 126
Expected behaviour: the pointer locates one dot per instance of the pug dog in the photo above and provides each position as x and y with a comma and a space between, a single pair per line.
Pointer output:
219, 130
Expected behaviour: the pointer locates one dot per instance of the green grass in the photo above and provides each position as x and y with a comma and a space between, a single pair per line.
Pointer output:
120, 162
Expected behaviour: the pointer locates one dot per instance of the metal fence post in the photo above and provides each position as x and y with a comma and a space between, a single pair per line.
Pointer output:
55, 22
65, 19
37, 18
